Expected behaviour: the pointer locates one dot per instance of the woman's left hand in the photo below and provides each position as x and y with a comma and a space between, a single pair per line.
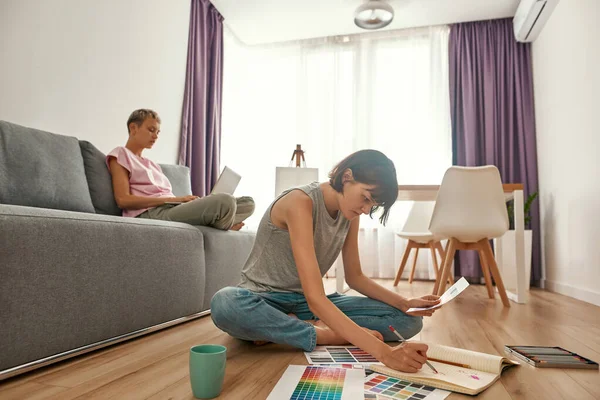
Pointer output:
422, 302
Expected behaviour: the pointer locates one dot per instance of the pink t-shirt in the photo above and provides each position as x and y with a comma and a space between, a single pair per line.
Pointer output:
145, 177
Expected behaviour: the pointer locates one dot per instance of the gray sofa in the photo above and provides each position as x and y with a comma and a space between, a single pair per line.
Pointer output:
74, 274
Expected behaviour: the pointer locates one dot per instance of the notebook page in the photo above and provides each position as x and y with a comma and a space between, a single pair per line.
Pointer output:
475, 360
468, 378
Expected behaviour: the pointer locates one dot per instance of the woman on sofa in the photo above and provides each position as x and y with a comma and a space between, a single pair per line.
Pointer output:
281, 297
143, 191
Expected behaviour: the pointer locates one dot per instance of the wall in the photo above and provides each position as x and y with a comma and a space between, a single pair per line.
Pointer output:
80, 67
566, 60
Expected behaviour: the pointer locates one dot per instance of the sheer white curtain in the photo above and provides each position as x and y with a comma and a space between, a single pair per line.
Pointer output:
387, 91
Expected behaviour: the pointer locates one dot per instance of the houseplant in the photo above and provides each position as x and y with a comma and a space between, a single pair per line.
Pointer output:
510, 208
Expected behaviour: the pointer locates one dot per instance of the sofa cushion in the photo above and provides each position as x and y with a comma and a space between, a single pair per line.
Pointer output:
99, 179
42, 169
179, 176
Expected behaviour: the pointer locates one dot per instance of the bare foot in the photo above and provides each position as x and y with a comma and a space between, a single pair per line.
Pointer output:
236, 227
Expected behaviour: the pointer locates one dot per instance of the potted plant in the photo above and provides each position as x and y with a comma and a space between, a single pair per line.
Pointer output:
510, 208
508, 268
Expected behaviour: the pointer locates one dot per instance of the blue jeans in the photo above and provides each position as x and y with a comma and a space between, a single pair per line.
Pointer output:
249, 315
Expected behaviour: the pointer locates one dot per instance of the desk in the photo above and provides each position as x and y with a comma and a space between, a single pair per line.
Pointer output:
512, 191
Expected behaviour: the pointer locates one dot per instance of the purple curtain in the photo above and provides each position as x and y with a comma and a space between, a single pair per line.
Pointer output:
200, 145
492, 111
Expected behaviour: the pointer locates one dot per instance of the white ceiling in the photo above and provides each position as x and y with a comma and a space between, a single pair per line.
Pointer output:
267, 21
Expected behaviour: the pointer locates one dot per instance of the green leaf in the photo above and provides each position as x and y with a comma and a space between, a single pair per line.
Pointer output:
510, 209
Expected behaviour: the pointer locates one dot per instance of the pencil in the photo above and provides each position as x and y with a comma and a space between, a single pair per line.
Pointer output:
404, 340
450, 363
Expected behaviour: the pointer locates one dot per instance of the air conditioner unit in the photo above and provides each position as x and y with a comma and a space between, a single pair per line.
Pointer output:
530, 18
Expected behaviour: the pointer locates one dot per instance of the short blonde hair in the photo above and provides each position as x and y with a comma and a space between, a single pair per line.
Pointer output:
139, 116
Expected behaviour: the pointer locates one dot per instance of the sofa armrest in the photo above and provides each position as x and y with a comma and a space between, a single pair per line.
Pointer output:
226, 253
70, 279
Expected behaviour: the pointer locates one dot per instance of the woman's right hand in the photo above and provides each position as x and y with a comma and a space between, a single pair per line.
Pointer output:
406, 357
183, 199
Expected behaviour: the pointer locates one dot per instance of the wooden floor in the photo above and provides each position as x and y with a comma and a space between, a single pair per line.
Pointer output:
156, 366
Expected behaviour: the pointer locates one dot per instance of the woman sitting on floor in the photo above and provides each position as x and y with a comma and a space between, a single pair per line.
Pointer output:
281, 297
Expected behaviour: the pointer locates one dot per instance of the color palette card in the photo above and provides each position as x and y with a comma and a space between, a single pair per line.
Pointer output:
301, 382
367, 370
373, 396
448, 295
348, 366
392, 388
339, 355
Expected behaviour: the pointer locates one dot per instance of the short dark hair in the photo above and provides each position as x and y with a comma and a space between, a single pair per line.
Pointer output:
370, 167
139, 116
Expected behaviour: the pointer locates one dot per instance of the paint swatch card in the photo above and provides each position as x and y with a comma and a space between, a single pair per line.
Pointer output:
339, 355
301, 382
448, 295
349, 366
379, 386
373, 396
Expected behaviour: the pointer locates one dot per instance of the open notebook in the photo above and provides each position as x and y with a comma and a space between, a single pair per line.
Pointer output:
459, 370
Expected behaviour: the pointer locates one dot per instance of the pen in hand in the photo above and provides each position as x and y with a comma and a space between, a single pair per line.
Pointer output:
404, 340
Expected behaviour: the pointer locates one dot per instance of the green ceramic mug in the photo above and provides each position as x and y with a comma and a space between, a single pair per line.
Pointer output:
207, 370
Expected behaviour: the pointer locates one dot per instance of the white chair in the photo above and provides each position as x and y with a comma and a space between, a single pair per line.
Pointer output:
470, 210
416, 231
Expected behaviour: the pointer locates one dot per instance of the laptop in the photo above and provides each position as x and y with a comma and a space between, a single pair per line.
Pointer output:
227, 182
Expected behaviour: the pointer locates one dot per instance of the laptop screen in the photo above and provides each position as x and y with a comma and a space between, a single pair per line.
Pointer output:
227, 182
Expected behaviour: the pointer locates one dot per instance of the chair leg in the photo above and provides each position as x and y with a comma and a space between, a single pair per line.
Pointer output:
438, 246
403, 262
440, 284
440, 249
487, 249
436, 267
486, 272
414, 266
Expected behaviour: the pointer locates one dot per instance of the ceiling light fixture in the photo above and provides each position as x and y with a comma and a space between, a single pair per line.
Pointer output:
374, 14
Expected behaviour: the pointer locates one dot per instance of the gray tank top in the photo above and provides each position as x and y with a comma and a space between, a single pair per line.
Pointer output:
271, 265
